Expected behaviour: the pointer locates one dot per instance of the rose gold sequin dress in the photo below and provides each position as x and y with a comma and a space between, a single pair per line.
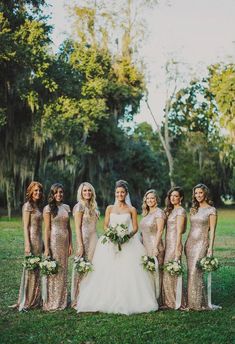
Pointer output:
30, 293
170, 282
196, 248
90, 238
148, 226
59, 245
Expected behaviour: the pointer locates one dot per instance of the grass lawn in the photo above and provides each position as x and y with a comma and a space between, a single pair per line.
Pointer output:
168, 327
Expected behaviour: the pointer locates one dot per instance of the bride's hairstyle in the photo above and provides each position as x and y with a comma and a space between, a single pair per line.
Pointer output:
89, 206
122, 184
145, 207
169, 205
195, 203
51, 199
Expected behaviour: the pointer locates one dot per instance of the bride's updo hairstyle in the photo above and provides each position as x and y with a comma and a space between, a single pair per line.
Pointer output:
122, 184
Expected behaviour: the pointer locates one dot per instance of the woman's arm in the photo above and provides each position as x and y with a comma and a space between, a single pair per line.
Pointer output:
70, 238
212, 225
180, 227
47, 220
78, 216
26, 223
107, 217
134, 221
160, 223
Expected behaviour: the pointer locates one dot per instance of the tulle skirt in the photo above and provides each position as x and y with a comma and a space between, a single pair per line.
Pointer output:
118, 283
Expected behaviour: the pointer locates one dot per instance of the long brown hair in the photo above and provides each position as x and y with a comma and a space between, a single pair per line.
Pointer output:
195, 203
169, 206
51, 199
29, 195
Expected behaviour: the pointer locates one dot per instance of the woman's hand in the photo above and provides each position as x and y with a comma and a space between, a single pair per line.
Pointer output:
80, 251
155, 252
47, 253
70, 250
209, 252
27, 249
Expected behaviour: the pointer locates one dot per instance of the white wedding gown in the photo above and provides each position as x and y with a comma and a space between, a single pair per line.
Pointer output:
118, 283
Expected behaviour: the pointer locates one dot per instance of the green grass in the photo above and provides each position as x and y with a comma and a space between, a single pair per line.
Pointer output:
168, 327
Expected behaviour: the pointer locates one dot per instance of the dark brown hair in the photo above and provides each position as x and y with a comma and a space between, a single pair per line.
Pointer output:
51, 199
169, 206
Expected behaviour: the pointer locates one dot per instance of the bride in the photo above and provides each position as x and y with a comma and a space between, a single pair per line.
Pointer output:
118, 284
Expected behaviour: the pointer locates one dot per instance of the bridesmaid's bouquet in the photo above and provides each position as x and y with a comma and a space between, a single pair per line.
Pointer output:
148, 263
173, 267
208, 264
49, 266
118, 235
82, 265
31, 262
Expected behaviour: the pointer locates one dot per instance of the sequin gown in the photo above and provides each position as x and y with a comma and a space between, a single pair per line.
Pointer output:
59, 245
196, 248
148, 226
90, 238
170, 282
30, 293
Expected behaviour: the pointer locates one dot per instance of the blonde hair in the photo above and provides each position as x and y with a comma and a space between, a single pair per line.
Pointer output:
145, 207
90, 206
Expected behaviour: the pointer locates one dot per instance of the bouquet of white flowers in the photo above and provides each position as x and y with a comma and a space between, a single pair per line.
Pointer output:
148, 263
118, 235
173, 267
49, 266
31, 262
208, 264
82, 265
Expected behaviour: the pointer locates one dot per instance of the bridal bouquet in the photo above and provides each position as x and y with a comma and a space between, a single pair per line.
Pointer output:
49, 266
118, 235
148, 263
31, 262
173, 267
82, 265
208, 264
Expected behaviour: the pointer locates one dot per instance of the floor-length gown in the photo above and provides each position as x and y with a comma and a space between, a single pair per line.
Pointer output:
59, 245
148, 226
90, 238
196, 248
30, 291
118, 284
169, 288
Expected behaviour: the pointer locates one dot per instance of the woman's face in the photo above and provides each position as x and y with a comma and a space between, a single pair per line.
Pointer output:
120, 194
59, 194
151, 200
175, 198
199, 195
36, 193
86, 193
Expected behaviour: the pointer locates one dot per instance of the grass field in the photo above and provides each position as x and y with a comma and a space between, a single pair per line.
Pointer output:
168, 327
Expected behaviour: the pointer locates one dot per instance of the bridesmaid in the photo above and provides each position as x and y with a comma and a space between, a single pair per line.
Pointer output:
175, 227
58, 245
85, 216
200, 242
152, 226
30, 293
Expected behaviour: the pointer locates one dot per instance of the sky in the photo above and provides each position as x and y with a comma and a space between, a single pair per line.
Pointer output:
195, 33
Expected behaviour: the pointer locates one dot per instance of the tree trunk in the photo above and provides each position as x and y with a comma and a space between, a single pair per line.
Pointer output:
10, 191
